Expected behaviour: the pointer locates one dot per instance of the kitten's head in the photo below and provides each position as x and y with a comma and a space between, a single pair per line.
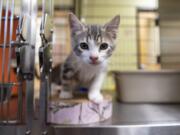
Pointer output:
94, 44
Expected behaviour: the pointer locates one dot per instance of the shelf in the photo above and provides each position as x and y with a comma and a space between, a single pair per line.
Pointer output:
127, 119
131, 119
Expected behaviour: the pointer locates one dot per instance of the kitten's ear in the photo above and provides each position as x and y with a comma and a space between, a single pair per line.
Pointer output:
112, 26
75, 24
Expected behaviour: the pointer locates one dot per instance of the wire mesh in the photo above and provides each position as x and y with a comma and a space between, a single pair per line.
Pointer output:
11, 88
137, 45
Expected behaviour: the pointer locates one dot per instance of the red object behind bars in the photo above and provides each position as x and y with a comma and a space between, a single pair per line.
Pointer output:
12, 72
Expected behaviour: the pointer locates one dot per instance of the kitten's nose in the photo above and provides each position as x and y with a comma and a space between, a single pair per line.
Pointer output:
93, 58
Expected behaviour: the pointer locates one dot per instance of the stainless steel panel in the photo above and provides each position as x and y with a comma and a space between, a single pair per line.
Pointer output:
120, 131
169, 33
132, 119
127, 119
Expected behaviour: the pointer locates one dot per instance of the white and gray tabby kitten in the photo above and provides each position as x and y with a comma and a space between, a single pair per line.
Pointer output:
86, 66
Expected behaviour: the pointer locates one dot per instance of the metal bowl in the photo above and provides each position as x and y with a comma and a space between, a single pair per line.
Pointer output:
148, 86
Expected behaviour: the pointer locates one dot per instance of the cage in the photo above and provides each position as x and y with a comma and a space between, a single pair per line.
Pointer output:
17, 68
9, 81
36, 35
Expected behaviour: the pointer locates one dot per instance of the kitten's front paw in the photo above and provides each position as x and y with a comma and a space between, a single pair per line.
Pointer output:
96, 97
66, 94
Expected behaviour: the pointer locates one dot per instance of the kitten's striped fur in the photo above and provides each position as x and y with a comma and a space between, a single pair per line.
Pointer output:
86, 66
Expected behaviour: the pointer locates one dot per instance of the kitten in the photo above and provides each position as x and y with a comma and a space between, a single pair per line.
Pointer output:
86, 66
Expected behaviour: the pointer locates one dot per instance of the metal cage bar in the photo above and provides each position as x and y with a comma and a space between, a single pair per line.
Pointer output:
6, 84
45, 58
23, 49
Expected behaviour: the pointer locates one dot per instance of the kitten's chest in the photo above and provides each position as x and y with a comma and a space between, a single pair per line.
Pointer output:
87, 73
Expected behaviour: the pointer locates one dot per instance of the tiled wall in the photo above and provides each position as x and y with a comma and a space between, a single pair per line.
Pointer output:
62, 45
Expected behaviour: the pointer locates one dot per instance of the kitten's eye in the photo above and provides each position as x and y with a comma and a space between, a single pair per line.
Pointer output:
84, 46
103, 46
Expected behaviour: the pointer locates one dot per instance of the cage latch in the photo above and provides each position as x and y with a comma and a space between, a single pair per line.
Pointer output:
24, 55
